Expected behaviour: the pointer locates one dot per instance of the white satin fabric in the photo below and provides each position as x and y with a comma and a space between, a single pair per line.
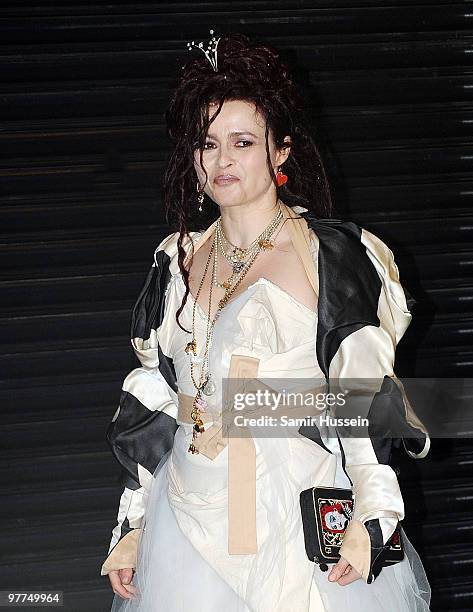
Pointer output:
183, 561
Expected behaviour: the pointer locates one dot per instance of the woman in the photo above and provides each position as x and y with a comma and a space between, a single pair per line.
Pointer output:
271, 289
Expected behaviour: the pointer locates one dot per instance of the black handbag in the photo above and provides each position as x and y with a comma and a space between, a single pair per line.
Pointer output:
326, 512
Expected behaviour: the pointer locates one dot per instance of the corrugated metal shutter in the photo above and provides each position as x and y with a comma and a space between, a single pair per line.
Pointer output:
82, 149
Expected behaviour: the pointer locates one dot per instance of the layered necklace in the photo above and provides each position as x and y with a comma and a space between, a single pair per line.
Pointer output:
241, 260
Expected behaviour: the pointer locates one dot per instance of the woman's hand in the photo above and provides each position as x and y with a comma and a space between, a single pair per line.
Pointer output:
343, 573
121, 582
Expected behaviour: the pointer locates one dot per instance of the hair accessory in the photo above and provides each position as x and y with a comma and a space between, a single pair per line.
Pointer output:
281, 178
211, 48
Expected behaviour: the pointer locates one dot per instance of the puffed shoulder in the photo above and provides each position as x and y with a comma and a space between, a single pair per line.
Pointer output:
168, 244
400, 301
356, 269
149, 308
167, 249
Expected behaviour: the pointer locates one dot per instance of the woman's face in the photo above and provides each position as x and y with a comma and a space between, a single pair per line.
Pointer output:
234, 156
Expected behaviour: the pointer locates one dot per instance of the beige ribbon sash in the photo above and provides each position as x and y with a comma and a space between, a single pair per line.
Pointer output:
242, 530
241, 464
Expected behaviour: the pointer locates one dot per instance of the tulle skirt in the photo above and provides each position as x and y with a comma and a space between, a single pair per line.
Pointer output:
172, 575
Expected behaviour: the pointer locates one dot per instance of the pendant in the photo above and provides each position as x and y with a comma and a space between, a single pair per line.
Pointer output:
265, 244
199, 426
191, 347
198, 407
209, 387
237, 266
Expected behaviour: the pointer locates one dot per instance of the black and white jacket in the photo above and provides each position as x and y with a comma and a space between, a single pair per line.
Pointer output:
363, 312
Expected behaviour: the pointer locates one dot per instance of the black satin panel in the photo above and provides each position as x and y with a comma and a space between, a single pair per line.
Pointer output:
349, 285
127, 481
313, 434
349, 290
125, 528
415, 445
388, 423
148, 311
377, 546
342, 452
139, 435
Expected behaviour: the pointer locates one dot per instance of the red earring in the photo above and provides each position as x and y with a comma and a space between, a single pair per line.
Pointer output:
281, 178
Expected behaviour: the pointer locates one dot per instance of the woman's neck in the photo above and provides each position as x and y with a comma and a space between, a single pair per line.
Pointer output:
242, 224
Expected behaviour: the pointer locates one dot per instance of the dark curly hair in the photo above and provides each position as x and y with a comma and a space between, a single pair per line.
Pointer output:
250, 72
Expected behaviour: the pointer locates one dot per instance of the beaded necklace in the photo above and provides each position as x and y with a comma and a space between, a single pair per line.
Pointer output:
241, 259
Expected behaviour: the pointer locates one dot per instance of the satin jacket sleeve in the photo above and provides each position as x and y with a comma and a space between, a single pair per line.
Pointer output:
363, 314
143, 427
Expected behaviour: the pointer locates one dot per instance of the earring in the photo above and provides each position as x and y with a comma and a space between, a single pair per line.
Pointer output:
281, 178
200, 197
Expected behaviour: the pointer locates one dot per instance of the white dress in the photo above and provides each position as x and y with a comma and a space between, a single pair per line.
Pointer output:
183, 562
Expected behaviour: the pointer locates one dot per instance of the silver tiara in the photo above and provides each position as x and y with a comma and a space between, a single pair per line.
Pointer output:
211, 49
